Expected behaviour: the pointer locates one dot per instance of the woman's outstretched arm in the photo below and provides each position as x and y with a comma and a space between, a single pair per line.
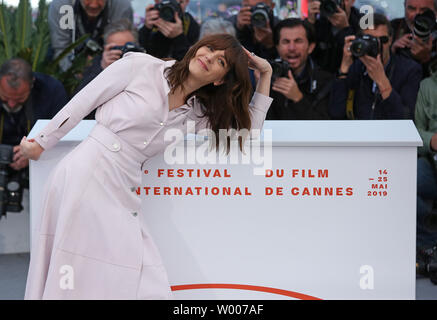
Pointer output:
104, 87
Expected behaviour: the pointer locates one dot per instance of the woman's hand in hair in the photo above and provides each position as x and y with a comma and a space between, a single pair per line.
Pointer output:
264, 69
257, 63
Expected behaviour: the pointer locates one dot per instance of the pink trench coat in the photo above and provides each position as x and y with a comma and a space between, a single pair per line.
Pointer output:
90, 230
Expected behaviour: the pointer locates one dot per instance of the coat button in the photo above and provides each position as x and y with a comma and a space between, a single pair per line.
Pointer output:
43, 137
161, 124
145, 142
116, 146
134, 214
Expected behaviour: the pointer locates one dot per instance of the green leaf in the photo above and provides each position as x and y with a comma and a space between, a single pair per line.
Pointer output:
41, 37
6, 32
67, 50
23, 24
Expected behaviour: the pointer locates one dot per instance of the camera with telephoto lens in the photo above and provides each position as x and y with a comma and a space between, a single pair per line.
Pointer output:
12, 182
424, 24
167, 10
260, 15
329, 7
366, 45
128, 47
280, 68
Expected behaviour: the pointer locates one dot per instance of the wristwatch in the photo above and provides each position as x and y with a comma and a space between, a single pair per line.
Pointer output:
341, 74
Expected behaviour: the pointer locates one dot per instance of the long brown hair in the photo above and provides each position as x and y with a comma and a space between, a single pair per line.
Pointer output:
226, 106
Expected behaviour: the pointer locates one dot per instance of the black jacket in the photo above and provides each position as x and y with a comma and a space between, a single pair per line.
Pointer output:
47, 97
315, 85
157, 45
404, 75
329, 50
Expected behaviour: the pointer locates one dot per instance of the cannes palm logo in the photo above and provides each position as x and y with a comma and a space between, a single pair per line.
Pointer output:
201, 148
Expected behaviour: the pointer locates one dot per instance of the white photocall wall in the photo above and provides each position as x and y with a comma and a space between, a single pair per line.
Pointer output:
339, 224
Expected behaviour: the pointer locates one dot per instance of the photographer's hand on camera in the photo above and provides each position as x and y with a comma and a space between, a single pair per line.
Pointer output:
170, 29
19, 161
340, 19
288, 88
109, 56
313, 11
30, 149
403, 42
264, 35
244, 18
347, 59
375, 70
152, 15
420, 50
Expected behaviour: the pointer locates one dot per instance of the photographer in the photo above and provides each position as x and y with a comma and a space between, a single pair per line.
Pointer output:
300, 90
426, 124
377, 85
90, 17
25, 97
333, 21
119, 37
168, 30
421, 46
255, 29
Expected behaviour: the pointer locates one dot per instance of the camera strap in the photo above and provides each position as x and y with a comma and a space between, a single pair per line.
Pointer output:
186, 23
350, 104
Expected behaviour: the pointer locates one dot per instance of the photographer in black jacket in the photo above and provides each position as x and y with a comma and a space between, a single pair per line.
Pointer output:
168, 37
377, 85
420, 47
301, 92
25, 97
256, 35
333, 21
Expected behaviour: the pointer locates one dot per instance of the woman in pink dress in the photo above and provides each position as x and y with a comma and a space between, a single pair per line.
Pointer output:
90, 243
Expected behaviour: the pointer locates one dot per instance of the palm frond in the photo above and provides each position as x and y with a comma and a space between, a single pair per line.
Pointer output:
6, 32
41, 37
23, 25
66, 52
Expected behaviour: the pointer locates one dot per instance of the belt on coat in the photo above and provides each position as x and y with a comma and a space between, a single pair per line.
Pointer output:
116, 144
